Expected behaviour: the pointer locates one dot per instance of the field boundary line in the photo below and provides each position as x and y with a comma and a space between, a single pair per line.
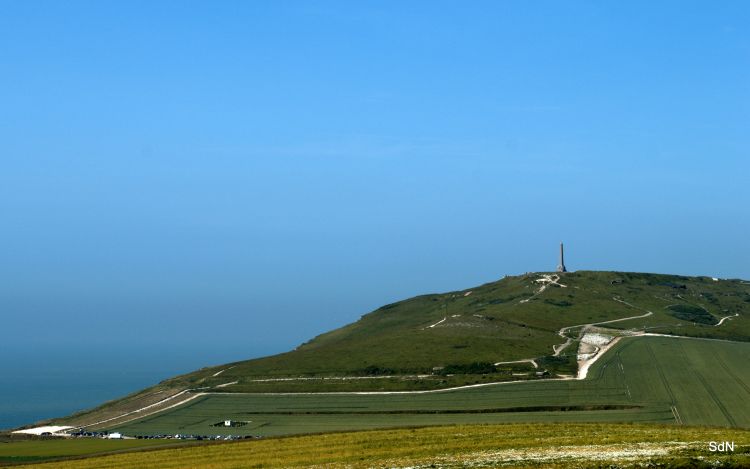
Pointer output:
730, 372
663, 378
716, 400
654, 334
135, 411
712, 393
138, 417
190, 398
676, 414
622, 373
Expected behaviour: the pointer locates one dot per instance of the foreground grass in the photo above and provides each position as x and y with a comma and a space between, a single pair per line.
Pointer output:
517, 445
29, 450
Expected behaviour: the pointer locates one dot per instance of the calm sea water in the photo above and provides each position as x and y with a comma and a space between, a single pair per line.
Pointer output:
44, 383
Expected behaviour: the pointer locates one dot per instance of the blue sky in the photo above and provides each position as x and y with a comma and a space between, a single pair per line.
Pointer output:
249, 174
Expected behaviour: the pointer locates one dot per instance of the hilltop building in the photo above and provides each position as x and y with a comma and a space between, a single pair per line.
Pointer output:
561, 266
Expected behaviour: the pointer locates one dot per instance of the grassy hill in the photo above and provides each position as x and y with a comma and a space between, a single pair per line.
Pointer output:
511, 319
440, 340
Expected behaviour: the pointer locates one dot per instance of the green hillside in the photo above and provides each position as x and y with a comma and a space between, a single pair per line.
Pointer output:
450, 339
507, 320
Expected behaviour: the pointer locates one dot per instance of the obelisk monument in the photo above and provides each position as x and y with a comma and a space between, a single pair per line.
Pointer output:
561, 267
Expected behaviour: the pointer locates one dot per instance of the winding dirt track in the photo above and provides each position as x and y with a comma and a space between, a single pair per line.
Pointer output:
559, 348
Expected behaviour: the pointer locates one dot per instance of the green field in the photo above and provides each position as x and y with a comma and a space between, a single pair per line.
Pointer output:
643, 379
29, 450
510, 445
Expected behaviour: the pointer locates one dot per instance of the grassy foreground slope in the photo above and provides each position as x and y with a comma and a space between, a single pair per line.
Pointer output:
642, 379
30, 450
516, 445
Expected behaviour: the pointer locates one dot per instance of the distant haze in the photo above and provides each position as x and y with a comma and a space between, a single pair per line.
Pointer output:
240, 176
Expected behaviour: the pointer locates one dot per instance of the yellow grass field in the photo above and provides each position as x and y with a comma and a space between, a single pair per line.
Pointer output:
514, 445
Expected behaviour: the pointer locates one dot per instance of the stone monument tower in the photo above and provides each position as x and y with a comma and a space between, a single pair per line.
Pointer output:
561, 267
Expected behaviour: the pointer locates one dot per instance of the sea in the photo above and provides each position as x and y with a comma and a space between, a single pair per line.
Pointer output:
41, 383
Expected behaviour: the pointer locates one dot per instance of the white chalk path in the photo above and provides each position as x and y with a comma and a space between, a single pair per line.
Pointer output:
138, 411
222, 371
556, 349
442, 320
546, 280
528, 360
553, 279
378, 393
226, 384
185, 392
332, 378
725, 318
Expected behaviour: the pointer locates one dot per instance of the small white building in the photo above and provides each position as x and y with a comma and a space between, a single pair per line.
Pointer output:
115, 436
227, 423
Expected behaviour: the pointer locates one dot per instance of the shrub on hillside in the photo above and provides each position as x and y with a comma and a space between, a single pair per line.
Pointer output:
474, 368
374, 370
692, 314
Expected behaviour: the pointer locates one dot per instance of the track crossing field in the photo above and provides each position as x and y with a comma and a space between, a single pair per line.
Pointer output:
641, 379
